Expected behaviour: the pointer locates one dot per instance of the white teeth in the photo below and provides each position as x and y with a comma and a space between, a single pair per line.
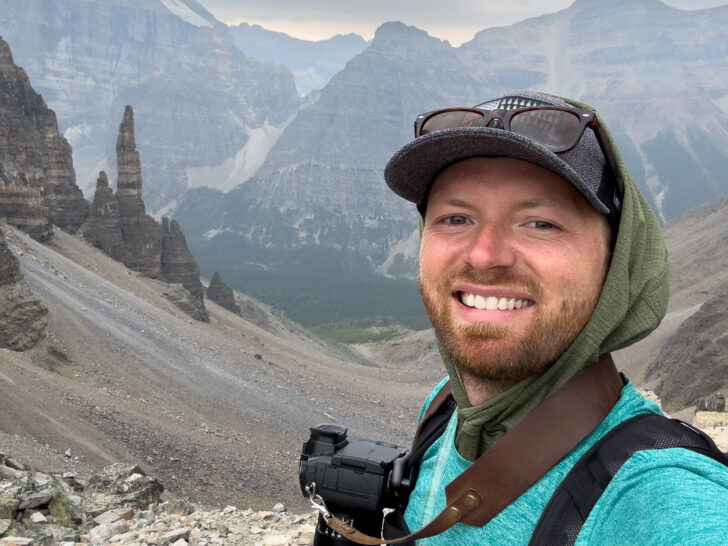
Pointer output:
492, 303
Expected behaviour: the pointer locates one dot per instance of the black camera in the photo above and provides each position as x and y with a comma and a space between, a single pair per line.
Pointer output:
356, 479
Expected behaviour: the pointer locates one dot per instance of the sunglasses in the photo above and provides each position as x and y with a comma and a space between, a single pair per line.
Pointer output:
555, 127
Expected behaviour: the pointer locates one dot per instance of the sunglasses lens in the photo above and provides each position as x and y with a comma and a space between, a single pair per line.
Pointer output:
555, 129
451, 119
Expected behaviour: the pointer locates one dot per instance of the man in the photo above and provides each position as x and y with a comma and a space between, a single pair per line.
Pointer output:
539, 256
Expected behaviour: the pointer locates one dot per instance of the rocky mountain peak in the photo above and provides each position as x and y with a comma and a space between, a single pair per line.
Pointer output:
394, 36
6, 56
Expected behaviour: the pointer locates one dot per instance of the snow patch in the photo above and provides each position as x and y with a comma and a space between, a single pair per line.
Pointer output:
240, 168
181, 10
409, 248
212, 233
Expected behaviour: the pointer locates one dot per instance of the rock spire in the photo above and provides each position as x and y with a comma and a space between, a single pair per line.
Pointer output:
102, 227
222, 294
119, 225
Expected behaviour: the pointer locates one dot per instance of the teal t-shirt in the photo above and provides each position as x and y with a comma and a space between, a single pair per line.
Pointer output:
670, 496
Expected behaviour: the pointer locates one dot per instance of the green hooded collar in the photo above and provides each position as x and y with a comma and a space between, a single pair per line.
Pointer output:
632, 304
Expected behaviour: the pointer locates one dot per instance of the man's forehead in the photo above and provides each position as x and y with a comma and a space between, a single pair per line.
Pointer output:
530, 184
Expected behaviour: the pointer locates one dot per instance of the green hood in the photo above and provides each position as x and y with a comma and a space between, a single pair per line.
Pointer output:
632, 304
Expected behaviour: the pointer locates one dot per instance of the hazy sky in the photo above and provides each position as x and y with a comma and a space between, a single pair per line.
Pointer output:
455, 20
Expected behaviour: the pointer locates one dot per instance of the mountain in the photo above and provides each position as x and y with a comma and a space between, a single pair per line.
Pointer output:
284, 196
199, 100
313, 63
318, 206
316, 229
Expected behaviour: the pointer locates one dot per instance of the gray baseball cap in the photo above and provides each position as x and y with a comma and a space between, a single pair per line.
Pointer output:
412, 169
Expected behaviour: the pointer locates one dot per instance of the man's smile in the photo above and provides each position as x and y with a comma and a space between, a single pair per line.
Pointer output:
491, 303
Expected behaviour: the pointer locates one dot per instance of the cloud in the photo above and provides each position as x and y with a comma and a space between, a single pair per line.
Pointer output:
455, 20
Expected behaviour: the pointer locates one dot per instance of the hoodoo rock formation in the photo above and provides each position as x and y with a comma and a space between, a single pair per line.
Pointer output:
222, 294
178, 263
22, 315
141, 234
102, 227
119, 225
37, 180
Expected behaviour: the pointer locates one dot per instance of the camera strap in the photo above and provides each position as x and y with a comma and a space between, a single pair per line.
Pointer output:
521, 457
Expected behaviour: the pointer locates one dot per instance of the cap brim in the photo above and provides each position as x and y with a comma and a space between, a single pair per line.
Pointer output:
414, 167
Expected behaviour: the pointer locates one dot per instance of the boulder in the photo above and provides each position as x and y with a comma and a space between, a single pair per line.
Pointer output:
22, 316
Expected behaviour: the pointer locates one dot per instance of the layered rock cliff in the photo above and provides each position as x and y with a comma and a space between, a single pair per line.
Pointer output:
21, 166
222, 294
37, 180
119, 225
22, 315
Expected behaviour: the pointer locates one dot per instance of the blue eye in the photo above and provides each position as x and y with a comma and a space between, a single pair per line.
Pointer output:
542, 224
456, 220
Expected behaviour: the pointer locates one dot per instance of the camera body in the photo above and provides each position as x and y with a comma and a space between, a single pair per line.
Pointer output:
356, 478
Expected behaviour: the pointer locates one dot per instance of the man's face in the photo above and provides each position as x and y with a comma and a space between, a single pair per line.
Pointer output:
512, 262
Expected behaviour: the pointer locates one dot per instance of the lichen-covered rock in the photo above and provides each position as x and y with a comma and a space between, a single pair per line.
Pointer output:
222, 294
120, 485
22, 315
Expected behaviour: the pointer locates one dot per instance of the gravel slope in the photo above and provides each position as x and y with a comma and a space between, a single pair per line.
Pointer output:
216, 411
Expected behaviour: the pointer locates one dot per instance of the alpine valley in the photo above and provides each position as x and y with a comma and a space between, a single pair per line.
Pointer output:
283, 193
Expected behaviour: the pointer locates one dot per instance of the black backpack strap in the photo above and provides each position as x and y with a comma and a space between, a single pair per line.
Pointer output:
404, 475
572, 502
433, 424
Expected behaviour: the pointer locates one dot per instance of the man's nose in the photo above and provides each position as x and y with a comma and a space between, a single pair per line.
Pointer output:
491, 247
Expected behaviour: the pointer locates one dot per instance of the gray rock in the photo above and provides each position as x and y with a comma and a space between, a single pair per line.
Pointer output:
22, 316
102, 227
716, 403
694, 361
120, 485
34, 500
222, 294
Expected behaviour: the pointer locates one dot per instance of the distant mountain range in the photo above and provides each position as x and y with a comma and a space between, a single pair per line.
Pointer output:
307, 223
313, 63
